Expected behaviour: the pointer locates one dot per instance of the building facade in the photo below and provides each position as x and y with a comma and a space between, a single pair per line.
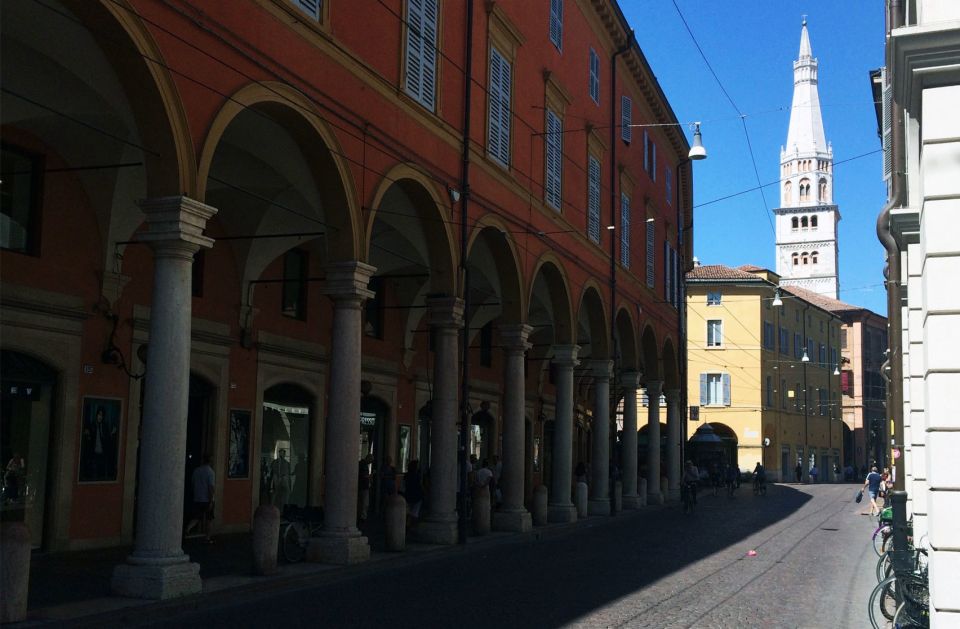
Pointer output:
765, 373
807, 219
251, 230
919, 227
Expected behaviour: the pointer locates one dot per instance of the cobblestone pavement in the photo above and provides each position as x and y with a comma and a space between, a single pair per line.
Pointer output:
655, 568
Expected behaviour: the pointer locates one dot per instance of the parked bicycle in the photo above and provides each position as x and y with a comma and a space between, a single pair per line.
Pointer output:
297, 526
902, 596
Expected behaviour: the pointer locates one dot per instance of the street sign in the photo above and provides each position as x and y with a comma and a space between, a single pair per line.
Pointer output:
694, 413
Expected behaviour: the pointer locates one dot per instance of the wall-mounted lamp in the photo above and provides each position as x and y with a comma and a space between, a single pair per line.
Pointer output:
651, 219
836, 370
611, 227
454, 194
777, 302
805, 358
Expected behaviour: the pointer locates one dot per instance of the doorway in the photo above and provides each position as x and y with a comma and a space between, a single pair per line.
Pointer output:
200, 404
26, 408
285, 445
374, 413
785, 467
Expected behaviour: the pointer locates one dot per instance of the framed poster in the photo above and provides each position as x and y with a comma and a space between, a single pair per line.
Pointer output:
238, 461
99, 440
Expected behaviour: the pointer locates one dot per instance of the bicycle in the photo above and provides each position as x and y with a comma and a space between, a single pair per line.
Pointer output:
902, 594
759, 486
297, 526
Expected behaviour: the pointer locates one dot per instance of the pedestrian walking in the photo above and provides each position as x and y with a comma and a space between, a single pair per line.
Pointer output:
872, 486
413, 491
203, 481
363, 488
799, 471
814, 472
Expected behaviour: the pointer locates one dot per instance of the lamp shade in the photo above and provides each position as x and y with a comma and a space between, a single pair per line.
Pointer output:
697, 151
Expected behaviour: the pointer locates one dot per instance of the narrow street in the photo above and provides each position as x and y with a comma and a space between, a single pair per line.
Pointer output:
655, 568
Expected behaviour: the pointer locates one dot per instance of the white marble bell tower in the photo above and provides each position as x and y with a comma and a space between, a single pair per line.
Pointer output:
807, 252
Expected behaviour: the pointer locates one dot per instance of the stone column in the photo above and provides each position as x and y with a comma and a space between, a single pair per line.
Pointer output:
673, 443
158, 568
340, 542
439, 526
600, 456
512, 515
654, 388
561, 508
631, 382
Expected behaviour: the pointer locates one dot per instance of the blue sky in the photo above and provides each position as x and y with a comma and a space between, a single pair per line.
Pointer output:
751, 45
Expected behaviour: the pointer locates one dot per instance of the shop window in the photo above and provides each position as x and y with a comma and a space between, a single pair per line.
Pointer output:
20, 200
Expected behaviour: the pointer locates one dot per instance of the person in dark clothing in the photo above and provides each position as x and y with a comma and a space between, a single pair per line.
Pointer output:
413, 490
799, 471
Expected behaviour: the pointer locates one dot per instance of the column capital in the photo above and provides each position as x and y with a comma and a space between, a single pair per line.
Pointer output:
630, 379
672, 395
566, 355
348, 281
177, 223
514, 337
600, 369
445, 311
654, 388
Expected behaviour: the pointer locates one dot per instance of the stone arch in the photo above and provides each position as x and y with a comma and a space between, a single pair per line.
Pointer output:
295, 113
649, 350
671, 366
548, 299
625, 350
507, 258
787, 192
593, 332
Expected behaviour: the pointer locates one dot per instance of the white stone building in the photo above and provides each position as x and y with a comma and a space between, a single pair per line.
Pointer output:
920, 226
807, 218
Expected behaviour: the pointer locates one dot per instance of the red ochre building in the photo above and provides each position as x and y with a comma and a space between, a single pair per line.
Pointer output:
243, 227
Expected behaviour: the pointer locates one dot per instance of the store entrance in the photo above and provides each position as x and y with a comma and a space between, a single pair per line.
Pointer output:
199, 411
26, 402
373, 420
285, 446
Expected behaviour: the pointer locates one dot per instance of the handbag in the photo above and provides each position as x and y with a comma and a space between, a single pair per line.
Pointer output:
859, 495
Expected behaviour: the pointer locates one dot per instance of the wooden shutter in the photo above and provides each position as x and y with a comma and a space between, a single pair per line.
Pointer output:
651, 262
625, 231
554, 160
310, 7
626, 118
594, 76
593, 200
499, 119
704, 394
726, 389
556, 23
421, 53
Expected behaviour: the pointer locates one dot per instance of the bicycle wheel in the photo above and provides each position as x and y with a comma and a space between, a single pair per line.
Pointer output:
872, 604
293, 542
878, 540
889, 601
883, 567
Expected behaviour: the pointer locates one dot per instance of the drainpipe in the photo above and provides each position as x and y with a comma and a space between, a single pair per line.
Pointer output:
462, 524
894, 362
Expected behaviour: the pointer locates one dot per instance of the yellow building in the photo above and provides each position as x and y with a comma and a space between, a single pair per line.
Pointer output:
763, 373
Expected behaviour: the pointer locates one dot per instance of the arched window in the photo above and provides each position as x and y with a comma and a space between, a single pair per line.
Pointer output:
804, 223
822, 192
794, 224
813, 221
813, 258
796, 259
804, 258
804, 189
787, 192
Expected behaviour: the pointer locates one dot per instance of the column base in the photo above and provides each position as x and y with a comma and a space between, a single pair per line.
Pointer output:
599, 507
342, 551
156, 581
561, 513
436, 532
518, 521
631, 502
655, 499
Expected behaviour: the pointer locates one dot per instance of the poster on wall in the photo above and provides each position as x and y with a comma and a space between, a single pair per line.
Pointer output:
99, 440
239, 457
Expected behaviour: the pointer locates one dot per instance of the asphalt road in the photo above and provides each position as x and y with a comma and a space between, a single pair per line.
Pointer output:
657, 568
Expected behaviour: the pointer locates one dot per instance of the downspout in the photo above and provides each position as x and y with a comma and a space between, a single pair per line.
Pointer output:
462, 524
894, 362
613, 190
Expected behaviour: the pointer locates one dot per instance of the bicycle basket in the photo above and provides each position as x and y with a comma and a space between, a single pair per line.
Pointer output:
916, 598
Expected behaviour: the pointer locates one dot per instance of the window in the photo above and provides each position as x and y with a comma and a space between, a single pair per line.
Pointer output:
794, 222
795, 258
671, 275
593, 199
626, 119
787, 197
822, 404
594, 76
649, 156
498, 121
769, 336
625, 230
813, 258
846, 382
651, 261
822, 354
796, 397
797, 346
783, 394
784, 341
804, 189
19, 200
714, 389
714, 297
805, 259
813, 222
556, 23
821, 192
295, 284
833, 358
769, 391
810, 349
804, 222
714, 333
554, 160
668, 184
373, 310
421, 54
310, 7
843, 338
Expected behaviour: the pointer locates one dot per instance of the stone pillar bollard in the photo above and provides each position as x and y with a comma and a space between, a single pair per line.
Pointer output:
664, 488
481, 510
540, 505
642, 491
396, 523
583, 492
14, 571
266, 533
617, 496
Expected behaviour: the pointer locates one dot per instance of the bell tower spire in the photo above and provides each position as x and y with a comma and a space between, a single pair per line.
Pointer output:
807, 219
